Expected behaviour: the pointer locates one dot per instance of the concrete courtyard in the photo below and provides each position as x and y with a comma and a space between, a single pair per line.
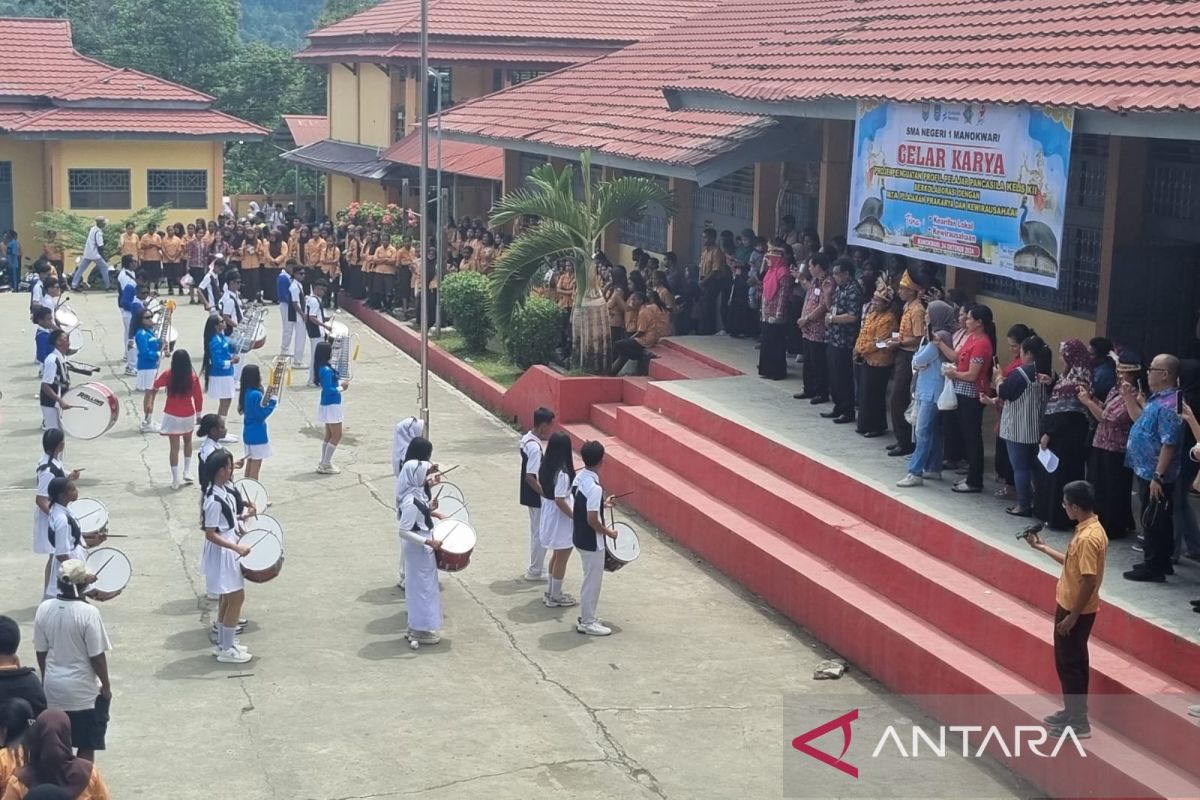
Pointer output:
684, 701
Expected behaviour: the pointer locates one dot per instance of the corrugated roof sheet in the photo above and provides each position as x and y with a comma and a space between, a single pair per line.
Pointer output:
1120, 55
612, 20
345, 158
472, 160
615, 105
307, 128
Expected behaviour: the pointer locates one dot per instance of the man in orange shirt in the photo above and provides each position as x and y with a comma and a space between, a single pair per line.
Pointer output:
1077, 599
354, 257
314, 249
150, 253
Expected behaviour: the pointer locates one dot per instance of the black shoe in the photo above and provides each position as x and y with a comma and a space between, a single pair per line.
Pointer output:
1058, 718
874, 434
816, 401
1170, 570
802, 396
1143, 575
829, 414
842, 420
893, 446
1196, 604
903, 451
1081, 730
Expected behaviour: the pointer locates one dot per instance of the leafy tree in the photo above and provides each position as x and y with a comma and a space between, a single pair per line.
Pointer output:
338, 10
72, 229
569, 227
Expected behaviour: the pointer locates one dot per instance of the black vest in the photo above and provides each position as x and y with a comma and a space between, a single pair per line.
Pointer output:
291, 306
529, 497
583, 535
76, 531
62, 381
228, 513
314, 330
55, 471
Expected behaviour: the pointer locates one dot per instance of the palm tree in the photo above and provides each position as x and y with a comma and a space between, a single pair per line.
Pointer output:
568, 227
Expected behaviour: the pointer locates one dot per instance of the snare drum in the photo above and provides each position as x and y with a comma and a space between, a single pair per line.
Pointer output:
458, 542
623, 550
264, 523
95, 411
448, 491
254, 493
66, 318
111, 568
338, 329
264, 562
260, 336
92, 515
77, 340
453, 509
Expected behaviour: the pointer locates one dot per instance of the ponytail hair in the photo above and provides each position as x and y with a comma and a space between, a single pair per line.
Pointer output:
210, 330
1043, 357
1020, 332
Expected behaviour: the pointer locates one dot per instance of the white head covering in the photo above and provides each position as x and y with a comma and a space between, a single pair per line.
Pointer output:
406, 430
410, 483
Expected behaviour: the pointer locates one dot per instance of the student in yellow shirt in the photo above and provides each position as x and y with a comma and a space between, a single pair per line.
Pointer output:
331, 266
353, 257
173, 256
405, 272
129, 244
369, 276
314, 248
275, 259
150, 253
252, 253
385, 271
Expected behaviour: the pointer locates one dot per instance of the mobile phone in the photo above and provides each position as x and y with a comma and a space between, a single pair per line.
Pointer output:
1178, 400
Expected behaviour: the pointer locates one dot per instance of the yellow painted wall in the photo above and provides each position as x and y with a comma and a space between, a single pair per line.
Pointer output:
1052, 327
28, 189
343, 104
341, 192
374, 106
371, 192
467, 83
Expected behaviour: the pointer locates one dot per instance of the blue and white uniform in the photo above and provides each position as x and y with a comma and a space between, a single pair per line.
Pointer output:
134, 308
126, 294
295, 297
588, 496
254, 424
148, 355
220, 368
231, 307
330, 410
66, 537
283, 288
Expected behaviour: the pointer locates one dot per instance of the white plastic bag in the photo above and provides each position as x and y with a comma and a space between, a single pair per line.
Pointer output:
947, 401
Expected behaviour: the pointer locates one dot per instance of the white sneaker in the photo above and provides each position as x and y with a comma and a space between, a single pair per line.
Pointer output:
534, 577
1194, 711
328, 469
176, 486
594, 629
189, 482
909, 480
234, 656
147, 426
564, 600
237, 645
931, 476
130, 371
424, 637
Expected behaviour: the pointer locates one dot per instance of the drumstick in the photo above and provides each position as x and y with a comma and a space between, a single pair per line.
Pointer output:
448, 471
102, 566
619, 496
116, 536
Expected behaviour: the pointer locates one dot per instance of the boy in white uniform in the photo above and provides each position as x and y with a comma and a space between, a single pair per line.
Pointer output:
588, 535
231, 310
296, 305
315, 324
531, 489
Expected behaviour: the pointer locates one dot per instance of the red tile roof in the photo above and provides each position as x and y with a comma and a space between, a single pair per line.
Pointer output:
612, 20
449, 52
472, 160
63, 92
1119, 55
307, 128
614, 105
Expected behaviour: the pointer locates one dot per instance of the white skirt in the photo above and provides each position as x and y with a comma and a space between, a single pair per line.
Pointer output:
41, 533
258, 451
221, 388
145, 379
219, 565
555, 530
176, 426
51, 419
329, 415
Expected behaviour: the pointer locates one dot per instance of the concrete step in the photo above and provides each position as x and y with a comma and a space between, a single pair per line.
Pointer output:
1152, 708
604, 417
910, 655
674, 364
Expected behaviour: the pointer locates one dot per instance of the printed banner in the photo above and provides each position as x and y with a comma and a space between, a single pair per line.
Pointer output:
981, 187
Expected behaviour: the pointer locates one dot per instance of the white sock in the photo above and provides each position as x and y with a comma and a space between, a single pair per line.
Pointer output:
325, 452
175, 473
225, 637
147, 420
329, 456
555, 587
187, 465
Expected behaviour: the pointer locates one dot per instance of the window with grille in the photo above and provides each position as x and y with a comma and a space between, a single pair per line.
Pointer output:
177, 188
650, 231
527, 163
1173, 189
516, 76
1079, 259
99, 188
446, 83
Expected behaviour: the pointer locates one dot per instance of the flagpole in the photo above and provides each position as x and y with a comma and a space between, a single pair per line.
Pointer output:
424, 226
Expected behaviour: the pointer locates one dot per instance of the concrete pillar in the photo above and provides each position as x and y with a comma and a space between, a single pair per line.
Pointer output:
768, 183
412, 88
1124, 196
512, 171
610, 241
837, 150
679, 226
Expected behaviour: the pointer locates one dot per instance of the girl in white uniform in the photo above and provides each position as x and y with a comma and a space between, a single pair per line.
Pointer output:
212, 433
220, 554
407, 429
418, 544
49, 467
64, 532
556, 474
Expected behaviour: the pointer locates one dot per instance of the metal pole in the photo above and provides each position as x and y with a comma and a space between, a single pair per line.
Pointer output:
441, 209
424, 100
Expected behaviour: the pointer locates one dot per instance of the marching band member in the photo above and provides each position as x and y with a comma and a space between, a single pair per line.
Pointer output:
49, 467
330, 410
406, 431
53, 288
212, 433
55, 381
219, 557
315, 324
418, 544
531, 488
295, 297
185, 400
126, 290
589, 531
283, 289
555, 475
136, 305
210, 285
254, 420
37, 289
148, 356
64, 532
231, 311
218, 364
43, 318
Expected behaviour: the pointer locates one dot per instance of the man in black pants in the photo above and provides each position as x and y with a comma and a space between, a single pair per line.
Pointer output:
1077, 599
841, 331
812, 331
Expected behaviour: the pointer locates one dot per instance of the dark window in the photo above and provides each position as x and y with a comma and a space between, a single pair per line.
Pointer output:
516, 76
649, 232
527, 163
99, 188
447, 85
177, 188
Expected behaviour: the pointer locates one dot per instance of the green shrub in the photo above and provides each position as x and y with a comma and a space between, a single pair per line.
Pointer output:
536, 328
73, 228
466, 296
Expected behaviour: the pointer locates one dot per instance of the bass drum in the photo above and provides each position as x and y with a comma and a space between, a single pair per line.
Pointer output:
458, 542
94, 411
622, 551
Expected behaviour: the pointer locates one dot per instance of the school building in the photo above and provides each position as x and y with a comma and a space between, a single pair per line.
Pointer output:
748, 111
79, 135
372, 150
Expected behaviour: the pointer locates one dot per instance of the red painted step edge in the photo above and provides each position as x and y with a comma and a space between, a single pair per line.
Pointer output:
696, 355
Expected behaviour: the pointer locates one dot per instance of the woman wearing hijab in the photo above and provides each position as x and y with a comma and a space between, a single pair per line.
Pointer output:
776, 290
418, 543
926, 459
407, 429
52, 763
1064, 433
